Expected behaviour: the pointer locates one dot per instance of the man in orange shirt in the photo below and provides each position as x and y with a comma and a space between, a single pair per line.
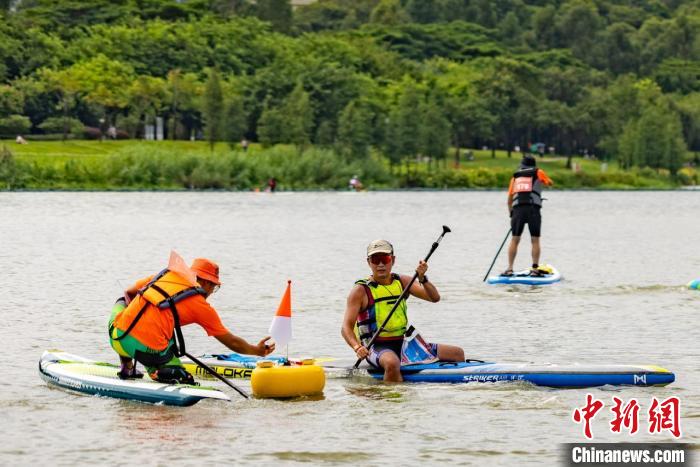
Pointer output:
524, 204
145, 324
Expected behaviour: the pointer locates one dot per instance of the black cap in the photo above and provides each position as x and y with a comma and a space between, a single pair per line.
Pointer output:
528, 161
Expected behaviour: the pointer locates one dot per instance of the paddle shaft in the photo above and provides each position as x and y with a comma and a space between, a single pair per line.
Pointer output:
403, 296
214, 373
497, 253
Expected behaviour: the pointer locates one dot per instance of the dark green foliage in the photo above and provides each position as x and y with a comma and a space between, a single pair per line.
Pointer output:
675, 75
355, 130
654, 140
456, 40
424, 11
57, 125
64, 16
271, 125
408, 78
213, 107
14, 125
235, 119
435, 130
11, 173
389, 12
298, 117
276, 12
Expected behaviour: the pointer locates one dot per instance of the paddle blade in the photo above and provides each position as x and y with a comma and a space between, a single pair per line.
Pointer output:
177, 265
281, 326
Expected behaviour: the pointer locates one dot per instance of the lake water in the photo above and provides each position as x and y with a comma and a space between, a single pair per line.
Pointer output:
625, 257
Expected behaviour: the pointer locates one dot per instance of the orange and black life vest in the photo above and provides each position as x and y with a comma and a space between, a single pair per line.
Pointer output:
527, 187
164, 291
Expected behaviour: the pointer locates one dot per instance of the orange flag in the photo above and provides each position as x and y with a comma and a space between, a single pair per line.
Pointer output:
177, 265
281, 326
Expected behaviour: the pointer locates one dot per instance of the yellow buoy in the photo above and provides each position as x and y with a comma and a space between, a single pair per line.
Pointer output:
270, 380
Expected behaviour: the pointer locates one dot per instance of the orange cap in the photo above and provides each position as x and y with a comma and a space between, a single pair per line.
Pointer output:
206, 269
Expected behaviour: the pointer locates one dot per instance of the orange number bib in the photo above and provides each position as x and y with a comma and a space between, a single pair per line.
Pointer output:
522, 185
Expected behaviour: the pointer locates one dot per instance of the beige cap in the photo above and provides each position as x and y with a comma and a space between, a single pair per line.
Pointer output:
379, 246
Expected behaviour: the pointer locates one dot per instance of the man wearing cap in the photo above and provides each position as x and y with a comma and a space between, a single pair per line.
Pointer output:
524, 204
145, 323
370, 302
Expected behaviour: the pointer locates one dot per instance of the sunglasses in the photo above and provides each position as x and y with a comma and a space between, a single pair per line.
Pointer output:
381, 258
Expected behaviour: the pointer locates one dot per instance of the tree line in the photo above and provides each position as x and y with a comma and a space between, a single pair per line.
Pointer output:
405, 78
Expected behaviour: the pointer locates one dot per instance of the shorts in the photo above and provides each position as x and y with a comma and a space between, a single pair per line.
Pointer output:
131, 347
390, 345
526, 214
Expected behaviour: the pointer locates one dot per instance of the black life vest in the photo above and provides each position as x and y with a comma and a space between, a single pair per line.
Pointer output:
527, 188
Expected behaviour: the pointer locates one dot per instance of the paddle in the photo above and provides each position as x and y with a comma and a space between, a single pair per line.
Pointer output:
217, 375
497, 253
404, 294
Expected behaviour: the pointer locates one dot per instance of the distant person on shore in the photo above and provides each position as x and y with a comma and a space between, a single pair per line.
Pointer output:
145, 323
244, 145
524, 204
355, 184
271, 185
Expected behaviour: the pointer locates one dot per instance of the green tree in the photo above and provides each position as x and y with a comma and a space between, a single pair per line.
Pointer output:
689, 109
271, 124
11, 100
577, 25
67, 87
299, 117
435, 129
148, 96
389, 12
184, 90
615, 49
14, 125
320, 16
355, 130
510, 29
236, 119
213, 107
424, 11
511, 91
9, 170
325, 134
655, 137
99, 80
276, 12
545, 34
64, 16
403, 136
654, 140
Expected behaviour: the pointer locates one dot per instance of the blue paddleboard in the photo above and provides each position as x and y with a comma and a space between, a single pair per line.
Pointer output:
524, 277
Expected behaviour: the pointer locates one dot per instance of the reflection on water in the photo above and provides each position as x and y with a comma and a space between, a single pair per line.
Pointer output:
63, 252
390, 392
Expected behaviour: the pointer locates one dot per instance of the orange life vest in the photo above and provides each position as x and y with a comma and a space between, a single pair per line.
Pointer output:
164, 291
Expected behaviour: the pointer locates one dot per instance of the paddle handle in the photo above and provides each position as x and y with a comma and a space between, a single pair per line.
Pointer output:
214, 373
497, 253
404, 294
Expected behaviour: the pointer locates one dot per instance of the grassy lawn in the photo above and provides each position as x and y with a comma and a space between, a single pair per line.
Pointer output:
60, 151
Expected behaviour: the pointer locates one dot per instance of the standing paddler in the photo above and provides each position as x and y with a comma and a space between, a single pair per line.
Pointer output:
524, 204
371, 300
148, 329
